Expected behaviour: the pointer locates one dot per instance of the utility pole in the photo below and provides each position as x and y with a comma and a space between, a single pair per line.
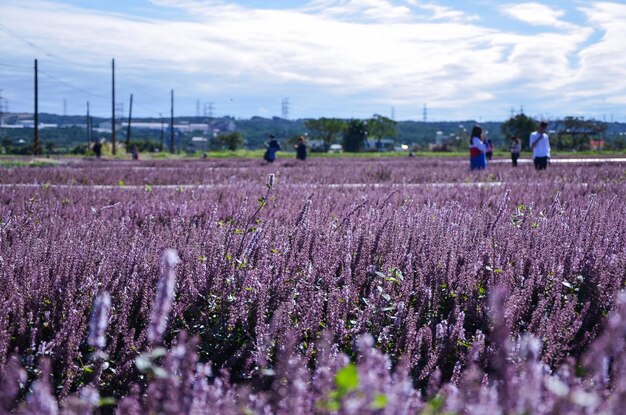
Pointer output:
172, 123
2, 110
113, 106
88, 127
162, 132
130, 117
36, 146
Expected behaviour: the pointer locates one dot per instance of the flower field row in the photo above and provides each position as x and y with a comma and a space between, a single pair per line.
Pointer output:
302, 297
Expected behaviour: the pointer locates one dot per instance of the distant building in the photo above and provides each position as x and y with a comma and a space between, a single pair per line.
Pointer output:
384, 144
596, 144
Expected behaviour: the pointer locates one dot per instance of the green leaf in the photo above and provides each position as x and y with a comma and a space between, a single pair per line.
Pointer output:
380, 401
143, 363
159, 372
158, 352
347, 379
121, 183
107, 401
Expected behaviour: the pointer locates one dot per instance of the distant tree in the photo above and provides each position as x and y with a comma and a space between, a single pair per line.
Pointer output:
326, 129
575, 133
520, 126
231, 141
379, 127
354, 135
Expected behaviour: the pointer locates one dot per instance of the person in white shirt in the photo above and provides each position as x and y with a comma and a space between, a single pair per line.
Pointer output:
540, 144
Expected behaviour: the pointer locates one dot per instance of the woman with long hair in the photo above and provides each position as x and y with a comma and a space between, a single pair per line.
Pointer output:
478, 160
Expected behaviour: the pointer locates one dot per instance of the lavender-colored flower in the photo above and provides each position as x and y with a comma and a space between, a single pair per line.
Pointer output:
41, 400
164, 296
99, 320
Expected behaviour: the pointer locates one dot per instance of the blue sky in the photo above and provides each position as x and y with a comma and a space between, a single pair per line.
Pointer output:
477, 59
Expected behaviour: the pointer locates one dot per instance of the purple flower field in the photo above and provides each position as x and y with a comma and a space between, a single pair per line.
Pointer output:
350, 286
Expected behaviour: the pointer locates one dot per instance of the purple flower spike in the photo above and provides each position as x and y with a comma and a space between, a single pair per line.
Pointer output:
99, 320
164, 297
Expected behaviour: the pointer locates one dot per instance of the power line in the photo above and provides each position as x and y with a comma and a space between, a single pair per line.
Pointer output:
71, 86
9, 65
28, 42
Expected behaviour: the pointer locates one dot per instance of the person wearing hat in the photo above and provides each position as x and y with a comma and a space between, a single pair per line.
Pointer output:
272, 148
540, 144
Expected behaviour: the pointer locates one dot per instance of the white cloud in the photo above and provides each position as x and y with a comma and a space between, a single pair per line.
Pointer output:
439, 12
537, 14
339, 53
372, 10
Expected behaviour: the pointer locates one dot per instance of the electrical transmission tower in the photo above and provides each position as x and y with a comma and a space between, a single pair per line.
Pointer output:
425, 114
208, 110
3, 108
119, 111
285, 108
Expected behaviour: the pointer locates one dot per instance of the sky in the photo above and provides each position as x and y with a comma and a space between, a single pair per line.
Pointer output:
460, 60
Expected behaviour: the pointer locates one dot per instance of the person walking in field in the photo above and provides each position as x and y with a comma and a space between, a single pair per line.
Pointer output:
540, 144
97, 148
478, 160
301, 149
135, 152
516, 149
489, 152
272, 148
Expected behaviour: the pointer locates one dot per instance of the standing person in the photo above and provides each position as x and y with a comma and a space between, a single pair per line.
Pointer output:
272, 148
489, 152
301, 149
478, 149
135, 152
516, 149
540, 143
97, 148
